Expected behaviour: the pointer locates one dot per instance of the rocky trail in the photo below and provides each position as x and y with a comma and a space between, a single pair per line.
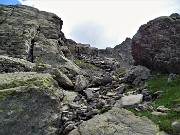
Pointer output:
52, 85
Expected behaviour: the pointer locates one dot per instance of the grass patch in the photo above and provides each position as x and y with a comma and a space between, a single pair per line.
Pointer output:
170, 99
120, 72
84, 64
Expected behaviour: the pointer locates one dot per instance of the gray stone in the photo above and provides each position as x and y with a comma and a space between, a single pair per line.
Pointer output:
130, 100
116, 122
32, 101
158, 113
89, 93
69, 96
163, 109
81, 83
62, 79
136, 74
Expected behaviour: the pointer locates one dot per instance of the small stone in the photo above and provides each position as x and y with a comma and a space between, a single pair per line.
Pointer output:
157, 94
158, 113
141, 107
131, 99
96, 94
74, 105
93, 89
162, 109
120, 89
110, 94
65, 107
147, 98
81, 83
95, 111
89, 93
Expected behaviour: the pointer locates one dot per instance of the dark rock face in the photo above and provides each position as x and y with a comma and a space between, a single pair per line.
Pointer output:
124, 50
121, 51
156, 45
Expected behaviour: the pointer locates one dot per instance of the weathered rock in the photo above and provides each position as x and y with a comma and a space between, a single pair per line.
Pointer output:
69, 96
30, 104
81, 83
156, 44
130, 100
34, 35
89, 93
162, 109
158, 113
176, 127
137, 74
9, 64
116, 122
124, 50
62, 79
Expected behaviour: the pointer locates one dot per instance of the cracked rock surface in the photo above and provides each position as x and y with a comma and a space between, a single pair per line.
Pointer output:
117, 121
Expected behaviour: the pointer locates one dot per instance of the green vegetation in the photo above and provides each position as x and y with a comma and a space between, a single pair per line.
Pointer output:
37, 81
120, 72
83, 64
169, 99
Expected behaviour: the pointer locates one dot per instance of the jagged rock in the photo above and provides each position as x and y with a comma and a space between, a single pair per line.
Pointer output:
130, 100
30, 104
156, 44
81, 83
10, 64
137, 74
116, 122
34, 35
62, 79
89, 93
124, 50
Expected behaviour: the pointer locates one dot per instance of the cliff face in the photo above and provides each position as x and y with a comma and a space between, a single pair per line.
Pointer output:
28, 33
156, 45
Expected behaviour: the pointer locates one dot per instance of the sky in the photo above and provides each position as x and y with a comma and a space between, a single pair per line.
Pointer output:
103, 23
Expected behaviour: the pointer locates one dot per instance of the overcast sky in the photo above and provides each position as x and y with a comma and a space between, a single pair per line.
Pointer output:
104, 23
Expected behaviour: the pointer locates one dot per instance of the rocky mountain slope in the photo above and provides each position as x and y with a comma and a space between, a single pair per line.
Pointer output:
53, 85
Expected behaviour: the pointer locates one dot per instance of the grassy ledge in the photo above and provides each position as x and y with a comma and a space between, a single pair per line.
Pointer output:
170, 99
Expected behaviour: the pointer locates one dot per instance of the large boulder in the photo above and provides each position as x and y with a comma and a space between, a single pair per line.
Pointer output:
116, 122
156, 45
30, 103
137, 74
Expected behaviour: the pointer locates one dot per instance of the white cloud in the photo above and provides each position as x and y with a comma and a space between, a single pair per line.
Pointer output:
117, 19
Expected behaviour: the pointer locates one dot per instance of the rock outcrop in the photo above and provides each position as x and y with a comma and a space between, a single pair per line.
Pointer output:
116, 122
156, 45
35, 36
30, 103
120, 52
124, 50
